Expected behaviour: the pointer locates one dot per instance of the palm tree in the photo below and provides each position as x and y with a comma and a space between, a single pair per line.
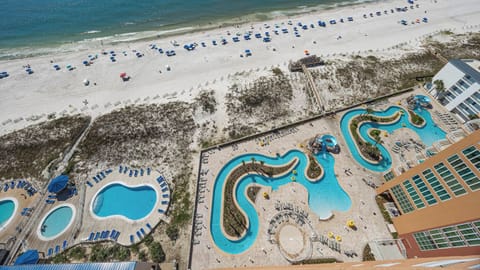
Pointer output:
440, 87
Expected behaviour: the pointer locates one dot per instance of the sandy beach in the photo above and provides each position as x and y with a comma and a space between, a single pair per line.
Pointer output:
28, 99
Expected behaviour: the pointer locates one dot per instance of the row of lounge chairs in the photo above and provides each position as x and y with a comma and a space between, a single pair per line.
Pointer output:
26, 211
133, 172
141, 233
104, 235
20, 184
56, 250
99, 177
165, 193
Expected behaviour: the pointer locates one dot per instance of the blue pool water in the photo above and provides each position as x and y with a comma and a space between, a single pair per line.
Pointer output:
324, 196
7, 207
429, 133
130, 202
57, 221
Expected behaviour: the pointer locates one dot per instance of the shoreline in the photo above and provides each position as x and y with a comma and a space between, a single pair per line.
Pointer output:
29, 99
169, 31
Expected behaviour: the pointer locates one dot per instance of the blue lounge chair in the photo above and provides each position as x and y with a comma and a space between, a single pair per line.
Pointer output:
165, 195
97, 235
130, 173
148, 171
89, 184
161, 211
164, 202
143, 231
135, 174
116, 236
149, 226
132, 239
113, 233
164, 189
103, 175
139, 235
163, 184
109, 171
95, 179
141, 172
65, 244
120, 168
90, 238
12, 184
57, 249
107, 233
50, 252
125, 169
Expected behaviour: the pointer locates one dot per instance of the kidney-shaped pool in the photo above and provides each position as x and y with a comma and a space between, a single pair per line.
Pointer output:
117, 199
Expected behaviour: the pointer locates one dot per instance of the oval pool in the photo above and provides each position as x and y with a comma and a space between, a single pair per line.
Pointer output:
117, 199
8, 207
56, 222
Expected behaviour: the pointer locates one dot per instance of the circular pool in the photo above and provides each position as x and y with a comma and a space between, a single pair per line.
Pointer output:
8, 207
120, 200
56, 222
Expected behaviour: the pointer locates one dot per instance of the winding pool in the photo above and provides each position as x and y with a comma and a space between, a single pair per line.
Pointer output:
7, 210
117, 199
56, 222
429, 133
324, 196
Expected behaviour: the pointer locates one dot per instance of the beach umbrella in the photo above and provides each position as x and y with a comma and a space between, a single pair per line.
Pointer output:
123, 75
58, 183
29, 257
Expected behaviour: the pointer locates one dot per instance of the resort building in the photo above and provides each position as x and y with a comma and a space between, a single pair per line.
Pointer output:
436, 202
457, 87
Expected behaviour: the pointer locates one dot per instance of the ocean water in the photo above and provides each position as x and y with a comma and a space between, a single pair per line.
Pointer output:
33, 24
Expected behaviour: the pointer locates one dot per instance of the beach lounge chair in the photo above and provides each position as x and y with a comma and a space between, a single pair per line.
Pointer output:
164, 189
116, 236
97, 235
143, 231
164, 202
165, 195
161, 211
132, 239
57, 249
113, 233
50, 252
92, 235
163, 184
149, 227
139, 235
107, 233
65, 244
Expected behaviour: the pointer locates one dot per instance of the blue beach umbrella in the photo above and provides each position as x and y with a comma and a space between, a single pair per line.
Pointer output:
29, 257
58, 183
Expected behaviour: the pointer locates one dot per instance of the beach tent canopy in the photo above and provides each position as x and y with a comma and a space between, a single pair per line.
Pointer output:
29, 257
58, 183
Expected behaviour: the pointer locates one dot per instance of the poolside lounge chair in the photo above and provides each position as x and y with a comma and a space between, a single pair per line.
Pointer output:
148, 171
125, 170
149, 227
92, 235
95, 179
50, 252
141, 172
96, 236
161, 211
165, 195
164, 189
132, 239
103, 175
139, 235
107, 233
143, 231
113, 233
164, 202
57, 249
65, 244
89, 184
120, 169
135, 173
130, 173
163, 184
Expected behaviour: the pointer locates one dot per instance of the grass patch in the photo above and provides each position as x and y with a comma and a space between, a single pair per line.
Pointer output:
314, 169
416, 119
27, 152
367, 254
252, 192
